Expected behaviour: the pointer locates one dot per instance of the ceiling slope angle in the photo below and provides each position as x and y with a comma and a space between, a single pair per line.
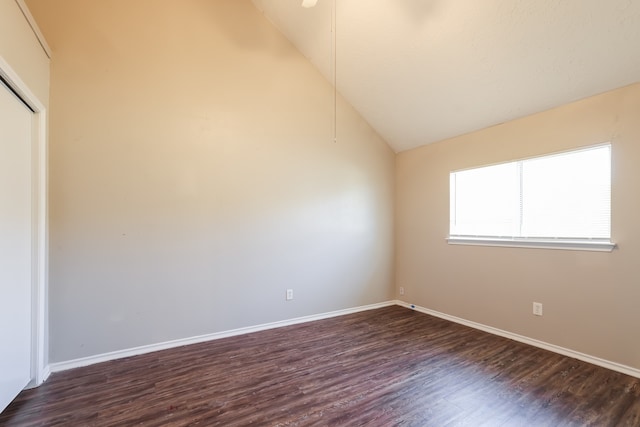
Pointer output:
420, 71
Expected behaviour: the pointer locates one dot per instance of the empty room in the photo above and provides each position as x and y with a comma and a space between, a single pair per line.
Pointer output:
327, 213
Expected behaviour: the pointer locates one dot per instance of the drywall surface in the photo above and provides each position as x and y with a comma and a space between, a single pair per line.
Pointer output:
421, 71
20, 48
194, 177
590, 299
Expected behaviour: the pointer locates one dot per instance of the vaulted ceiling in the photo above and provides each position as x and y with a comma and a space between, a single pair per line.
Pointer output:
420, 71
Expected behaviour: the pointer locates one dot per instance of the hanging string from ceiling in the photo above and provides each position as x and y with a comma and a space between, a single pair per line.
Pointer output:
334, 51
335, 74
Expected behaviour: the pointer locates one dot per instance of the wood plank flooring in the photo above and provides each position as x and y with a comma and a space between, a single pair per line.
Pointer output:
385, 367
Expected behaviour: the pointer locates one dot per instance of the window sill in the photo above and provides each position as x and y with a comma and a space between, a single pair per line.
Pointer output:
573, 245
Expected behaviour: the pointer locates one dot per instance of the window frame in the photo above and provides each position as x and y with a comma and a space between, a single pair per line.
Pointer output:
580, 244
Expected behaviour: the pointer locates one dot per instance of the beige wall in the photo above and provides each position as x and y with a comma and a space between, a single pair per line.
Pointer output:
20, 48
194, 177
590, 299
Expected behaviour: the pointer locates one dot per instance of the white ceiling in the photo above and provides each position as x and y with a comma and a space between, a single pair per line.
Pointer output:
420, 71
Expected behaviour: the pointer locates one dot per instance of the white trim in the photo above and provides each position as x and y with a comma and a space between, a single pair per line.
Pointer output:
42, 247
628, 370
90, 360
575, 245
40, 225
44, 375
34, 26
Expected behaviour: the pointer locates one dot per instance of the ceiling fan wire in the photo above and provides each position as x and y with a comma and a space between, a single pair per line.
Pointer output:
335, 78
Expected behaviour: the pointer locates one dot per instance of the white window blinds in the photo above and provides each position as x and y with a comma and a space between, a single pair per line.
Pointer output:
560, 196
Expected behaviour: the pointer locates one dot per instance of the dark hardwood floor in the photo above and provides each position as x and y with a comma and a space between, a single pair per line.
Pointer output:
386, 367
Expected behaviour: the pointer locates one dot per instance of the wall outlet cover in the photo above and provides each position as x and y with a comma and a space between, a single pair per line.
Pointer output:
537, 308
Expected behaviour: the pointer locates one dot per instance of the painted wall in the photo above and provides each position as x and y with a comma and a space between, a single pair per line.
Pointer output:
590, 299
194, 177
20, 48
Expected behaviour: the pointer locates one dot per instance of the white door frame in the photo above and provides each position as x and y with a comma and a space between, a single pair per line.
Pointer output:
39, 268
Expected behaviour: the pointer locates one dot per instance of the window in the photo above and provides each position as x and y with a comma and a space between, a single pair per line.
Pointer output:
557, 201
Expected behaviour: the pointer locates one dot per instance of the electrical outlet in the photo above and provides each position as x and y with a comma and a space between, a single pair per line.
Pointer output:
289, 294
537, 308
401, 290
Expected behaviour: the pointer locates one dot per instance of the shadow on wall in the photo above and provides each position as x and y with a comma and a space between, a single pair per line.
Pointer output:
419, 11
231, 20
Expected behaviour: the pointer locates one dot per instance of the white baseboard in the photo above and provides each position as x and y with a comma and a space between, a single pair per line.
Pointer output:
44, 374
86, 361
39, 377
526, 340
90, 360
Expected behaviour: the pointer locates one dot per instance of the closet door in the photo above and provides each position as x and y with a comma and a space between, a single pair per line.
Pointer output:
15, 246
